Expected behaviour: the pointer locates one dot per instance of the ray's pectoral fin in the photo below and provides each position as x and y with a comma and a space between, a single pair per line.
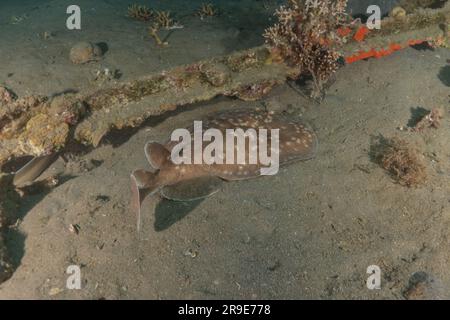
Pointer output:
192, 189
157, 155
142, 184
33, 169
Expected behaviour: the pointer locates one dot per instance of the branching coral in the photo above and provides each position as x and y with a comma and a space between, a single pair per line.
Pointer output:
138, 12
306, 36
207, 10
163, 19
153, 31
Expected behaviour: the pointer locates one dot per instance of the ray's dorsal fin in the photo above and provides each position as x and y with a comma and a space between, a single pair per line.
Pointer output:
143, 178
156, 154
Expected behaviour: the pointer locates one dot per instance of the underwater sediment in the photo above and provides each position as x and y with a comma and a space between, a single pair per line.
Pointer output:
38, 125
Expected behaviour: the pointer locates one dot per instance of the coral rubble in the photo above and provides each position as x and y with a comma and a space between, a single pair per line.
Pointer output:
104, 75
254, 91
36, 125
431, 120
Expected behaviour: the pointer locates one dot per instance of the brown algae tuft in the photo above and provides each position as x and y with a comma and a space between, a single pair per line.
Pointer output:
401, 160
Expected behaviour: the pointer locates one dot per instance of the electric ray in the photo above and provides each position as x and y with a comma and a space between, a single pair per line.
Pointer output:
294, 141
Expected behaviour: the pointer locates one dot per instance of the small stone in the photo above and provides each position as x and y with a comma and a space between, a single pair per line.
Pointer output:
84, 52
274, 265
422, 286
54, 291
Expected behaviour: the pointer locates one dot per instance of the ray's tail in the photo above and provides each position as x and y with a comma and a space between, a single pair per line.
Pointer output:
143, 183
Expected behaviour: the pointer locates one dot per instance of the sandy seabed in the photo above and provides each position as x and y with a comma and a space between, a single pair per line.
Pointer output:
309, 232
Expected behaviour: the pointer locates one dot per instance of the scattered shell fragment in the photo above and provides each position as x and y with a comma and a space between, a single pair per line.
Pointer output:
191, 253
74, 228
54, 291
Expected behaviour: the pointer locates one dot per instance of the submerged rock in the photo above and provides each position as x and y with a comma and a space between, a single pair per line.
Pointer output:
84, 52
6, 96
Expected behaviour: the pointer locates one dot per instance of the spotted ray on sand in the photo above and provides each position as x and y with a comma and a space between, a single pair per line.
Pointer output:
184, 182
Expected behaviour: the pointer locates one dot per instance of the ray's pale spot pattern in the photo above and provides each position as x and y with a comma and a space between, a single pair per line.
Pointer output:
296, 142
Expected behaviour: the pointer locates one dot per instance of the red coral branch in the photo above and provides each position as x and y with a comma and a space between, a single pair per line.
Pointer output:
361, 33
374, 53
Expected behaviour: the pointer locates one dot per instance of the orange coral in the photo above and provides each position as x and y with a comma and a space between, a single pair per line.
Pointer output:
361, 33
374, 53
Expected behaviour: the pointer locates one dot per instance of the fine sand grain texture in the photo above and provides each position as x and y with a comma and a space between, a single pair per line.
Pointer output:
311, 231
